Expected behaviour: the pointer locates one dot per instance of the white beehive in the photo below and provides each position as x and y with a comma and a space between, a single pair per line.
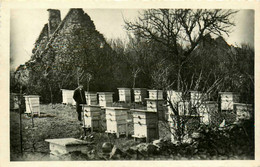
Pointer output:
92, 116
145, 124
67, 97
91, 98
116, 118
124, 94
105, 99
243, 111
228, 99
184, 107
32, 103
14, 101
196, 98
140, 94
155, 94
156, 106
206, 110
174, 97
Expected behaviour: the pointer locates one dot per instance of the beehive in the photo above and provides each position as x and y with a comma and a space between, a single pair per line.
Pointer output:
206, 111
154, 105
105, 99
228, 99
116, 119
92, 116
155, 94
243, 111
14, 101
195, 98
184, 107
174, 97
124, 94
145, 124
67, 97
91, 98
140, 94
32, 103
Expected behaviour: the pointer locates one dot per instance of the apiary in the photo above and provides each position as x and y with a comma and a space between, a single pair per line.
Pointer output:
105, 99
116, 119
145, 124
195, 98
67, 97
156, 106
139, 94
92, 116
243, 111
228, 99
155, 94
14, 101
32, 103
206, 111
59, 147
124, 94
91, 98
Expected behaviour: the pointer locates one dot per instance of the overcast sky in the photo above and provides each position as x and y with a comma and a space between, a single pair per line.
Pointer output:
26, 26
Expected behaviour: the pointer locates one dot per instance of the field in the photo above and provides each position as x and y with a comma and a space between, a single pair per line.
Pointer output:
60, 121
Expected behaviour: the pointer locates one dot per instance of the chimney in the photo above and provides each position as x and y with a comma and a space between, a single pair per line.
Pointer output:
54, 20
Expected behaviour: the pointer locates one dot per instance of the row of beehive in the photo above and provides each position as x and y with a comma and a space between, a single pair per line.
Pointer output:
145, 122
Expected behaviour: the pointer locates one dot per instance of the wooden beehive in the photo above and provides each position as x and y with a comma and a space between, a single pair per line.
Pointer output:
124, 94
156, 106
105, 99
32, 103
155, 94
174, 97
14, 101
145, 124
139, 94
116, 119
92, 116
228, 99
206, 111
91, 98
67, 97
243, 111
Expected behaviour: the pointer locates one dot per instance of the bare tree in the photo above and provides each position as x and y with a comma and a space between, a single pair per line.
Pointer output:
180, 30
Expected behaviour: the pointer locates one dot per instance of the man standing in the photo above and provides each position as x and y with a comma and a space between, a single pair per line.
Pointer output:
79, 97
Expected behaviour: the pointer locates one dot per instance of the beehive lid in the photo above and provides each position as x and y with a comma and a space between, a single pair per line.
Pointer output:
234, 93
243, 104
91, 93
139, 89
105, 93
86, 105
31, 96
124, 88
154, 90
67, 142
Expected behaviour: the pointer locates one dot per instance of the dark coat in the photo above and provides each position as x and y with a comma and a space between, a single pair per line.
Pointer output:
79, 96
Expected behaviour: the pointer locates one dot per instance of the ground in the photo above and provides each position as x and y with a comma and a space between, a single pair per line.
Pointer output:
60, 121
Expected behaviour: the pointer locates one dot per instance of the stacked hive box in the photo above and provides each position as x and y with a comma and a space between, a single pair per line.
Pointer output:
105, 99
243, 111
155, 103
195, 98
145, 124
173, 97
14, 101
32, 103
67, 97
207, 110
140, 94
91, 98
92, 117
184, 107
116, 118
124, 94
227, 100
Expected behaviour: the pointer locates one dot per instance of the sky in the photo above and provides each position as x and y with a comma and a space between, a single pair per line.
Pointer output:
26, 25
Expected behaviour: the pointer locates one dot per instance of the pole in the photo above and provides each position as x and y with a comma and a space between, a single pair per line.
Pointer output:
20, 123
